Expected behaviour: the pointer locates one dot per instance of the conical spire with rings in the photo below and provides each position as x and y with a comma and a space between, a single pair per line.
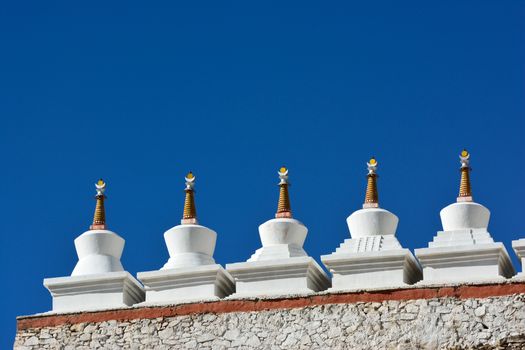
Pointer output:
371, 196
465, 191
99, 218
189, 215
283, 206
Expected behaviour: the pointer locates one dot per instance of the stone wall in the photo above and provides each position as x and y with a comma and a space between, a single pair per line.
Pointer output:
440, 318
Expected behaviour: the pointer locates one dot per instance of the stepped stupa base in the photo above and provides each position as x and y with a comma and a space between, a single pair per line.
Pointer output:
92, 292
277, 252
296, 275
463, 263
187, 283
373, 269
519, 249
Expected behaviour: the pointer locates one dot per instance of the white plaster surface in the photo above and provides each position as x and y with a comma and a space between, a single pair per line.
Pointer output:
284, 276
464, 263
519, 249
373, 269
98, 279
94, 291
281, 238
191, 272
466, 237
464, 215
189, 245
98, 251
373, 257
277, 252
371, 222
464, 250
282, 231
281, 265
365, 244
190, 283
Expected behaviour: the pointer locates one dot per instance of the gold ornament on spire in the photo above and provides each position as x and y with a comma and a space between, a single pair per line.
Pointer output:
190, 213
371, 197
283, 207
465, 191
99, 219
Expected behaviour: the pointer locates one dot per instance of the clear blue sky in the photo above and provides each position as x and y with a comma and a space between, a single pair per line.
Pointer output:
140, 95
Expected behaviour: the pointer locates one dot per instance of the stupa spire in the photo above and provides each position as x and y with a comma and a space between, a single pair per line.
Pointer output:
283, 206
465, 192
190, 213
371, 196
99, 219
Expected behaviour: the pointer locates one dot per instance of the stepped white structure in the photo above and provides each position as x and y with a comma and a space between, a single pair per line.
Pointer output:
98, 279
519, 249
464, 251
191, 272
280, 266
372, 257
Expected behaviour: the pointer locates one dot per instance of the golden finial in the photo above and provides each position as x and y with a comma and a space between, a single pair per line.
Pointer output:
371, 197
465, 192
99, 219
190, 213
283, 207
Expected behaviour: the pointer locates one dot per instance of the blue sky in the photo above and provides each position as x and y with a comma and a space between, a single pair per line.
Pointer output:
140, 95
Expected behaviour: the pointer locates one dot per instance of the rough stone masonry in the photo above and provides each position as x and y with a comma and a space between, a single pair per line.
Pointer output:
437, 318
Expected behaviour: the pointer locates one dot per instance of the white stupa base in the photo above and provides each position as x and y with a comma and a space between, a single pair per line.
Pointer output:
519, 249
189, 283
295, 275
189, 245
464, 216
277, 252
281, 238
372, 222
464, 263
95, 291
184, 260
368, 244
462, 237
99, 252
372, 269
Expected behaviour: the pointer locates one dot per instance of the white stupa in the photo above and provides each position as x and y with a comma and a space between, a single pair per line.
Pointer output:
464, 250
373, 257
98, 279
191, 272
519, 249
281, 266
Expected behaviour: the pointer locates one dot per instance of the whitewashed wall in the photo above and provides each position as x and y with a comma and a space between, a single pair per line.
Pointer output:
440, 323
